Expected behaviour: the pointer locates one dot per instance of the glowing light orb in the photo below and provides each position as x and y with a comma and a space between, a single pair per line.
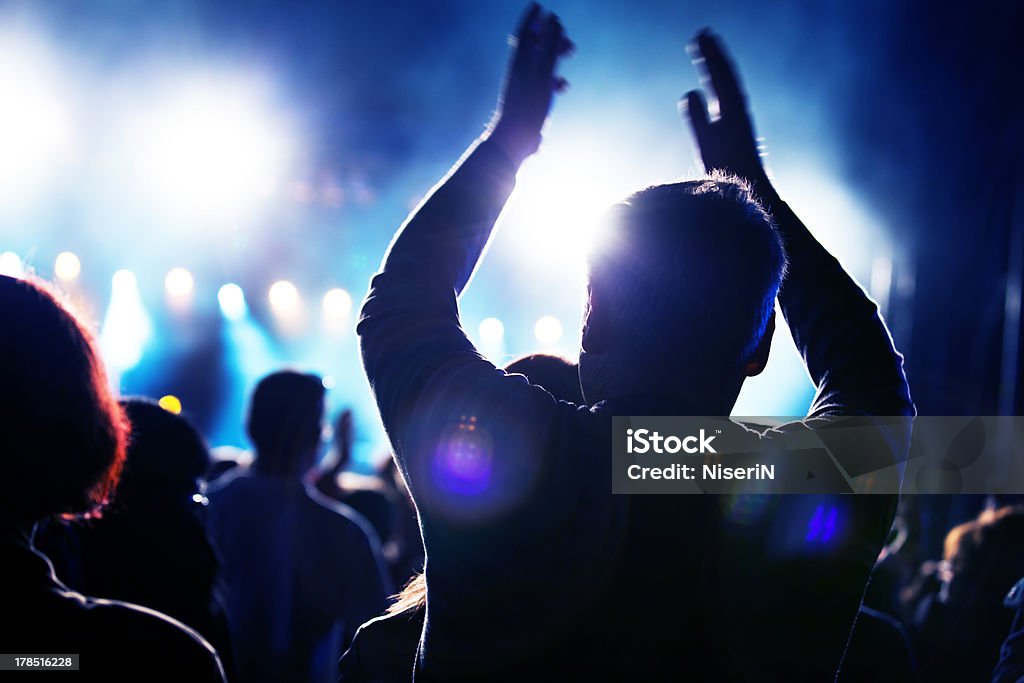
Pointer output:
179, 282
284, 298
170, 403
232, 301
67, 267
337, 303
548, 330
11, 265
124, 282
491, 331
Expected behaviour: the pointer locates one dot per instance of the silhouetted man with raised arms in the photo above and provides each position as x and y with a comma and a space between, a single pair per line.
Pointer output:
535, 571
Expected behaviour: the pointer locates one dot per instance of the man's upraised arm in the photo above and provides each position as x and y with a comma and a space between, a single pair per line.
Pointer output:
415, 353
812, 598
836, 326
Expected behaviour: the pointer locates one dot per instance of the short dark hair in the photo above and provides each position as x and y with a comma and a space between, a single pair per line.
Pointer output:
166, 455
703, 257
558, 376
285, 419
63, 432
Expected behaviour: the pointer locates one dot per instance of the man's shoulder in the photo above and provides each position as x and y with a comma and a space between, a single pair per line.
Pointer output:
127, 632
339, 517
230, 484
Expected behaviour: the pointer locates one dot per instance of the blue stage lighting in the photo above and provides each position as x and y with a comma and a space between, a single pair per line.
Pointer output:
126, 327
232, 301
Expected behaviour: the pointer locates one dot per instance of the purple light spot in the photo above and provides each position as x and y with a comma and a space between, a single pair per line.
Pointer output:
462, 463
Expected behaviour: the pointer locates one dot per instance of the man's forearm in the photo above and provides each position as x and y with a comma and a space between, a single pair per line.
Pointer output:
836, 326
409, 327
441, 243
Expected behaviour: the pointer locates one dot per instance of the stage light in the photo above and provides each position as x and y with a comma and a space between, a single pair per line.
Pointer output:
212, 146
491, 331
67, 266
249, 353
35, 124
11, 265
337, 303
548, 330
179, 283
328, 381
124, 281
232, 301
284, 298
126, 327
850, 230
560, 199
170, 403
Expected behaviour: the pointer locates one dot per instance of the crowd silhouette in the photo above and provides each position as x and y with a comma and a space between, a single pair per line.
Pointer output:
494, 518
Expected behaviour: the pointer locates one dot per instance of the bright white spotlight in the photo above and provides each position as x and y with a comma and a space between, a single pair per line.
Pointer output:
35, 125
67, 266
854, 234
337, 303
124, 281
284, 298
11, 265
179, 283
560, 199
212, 147
126, 326
232, 301
548, 330
491, 331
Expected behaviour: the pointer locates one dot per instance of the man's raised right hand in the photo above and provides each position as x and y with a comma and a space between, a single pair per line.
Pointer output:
726, 143
530, 82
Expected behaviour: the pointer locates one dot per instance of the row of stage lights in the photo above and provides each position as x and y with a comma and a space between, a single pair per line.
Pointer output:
283, 296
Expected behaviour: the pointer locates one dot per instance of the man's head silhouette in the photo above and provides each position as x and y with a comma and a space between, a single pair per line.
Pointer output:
166, 458
681, 295
286, 422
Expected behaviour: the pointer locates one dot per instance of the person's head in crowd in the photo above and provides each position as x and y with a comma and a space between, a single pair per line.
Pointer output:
983, 558
167, 457
682, 291
286, 422
64, 434
959, 629
560, 377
